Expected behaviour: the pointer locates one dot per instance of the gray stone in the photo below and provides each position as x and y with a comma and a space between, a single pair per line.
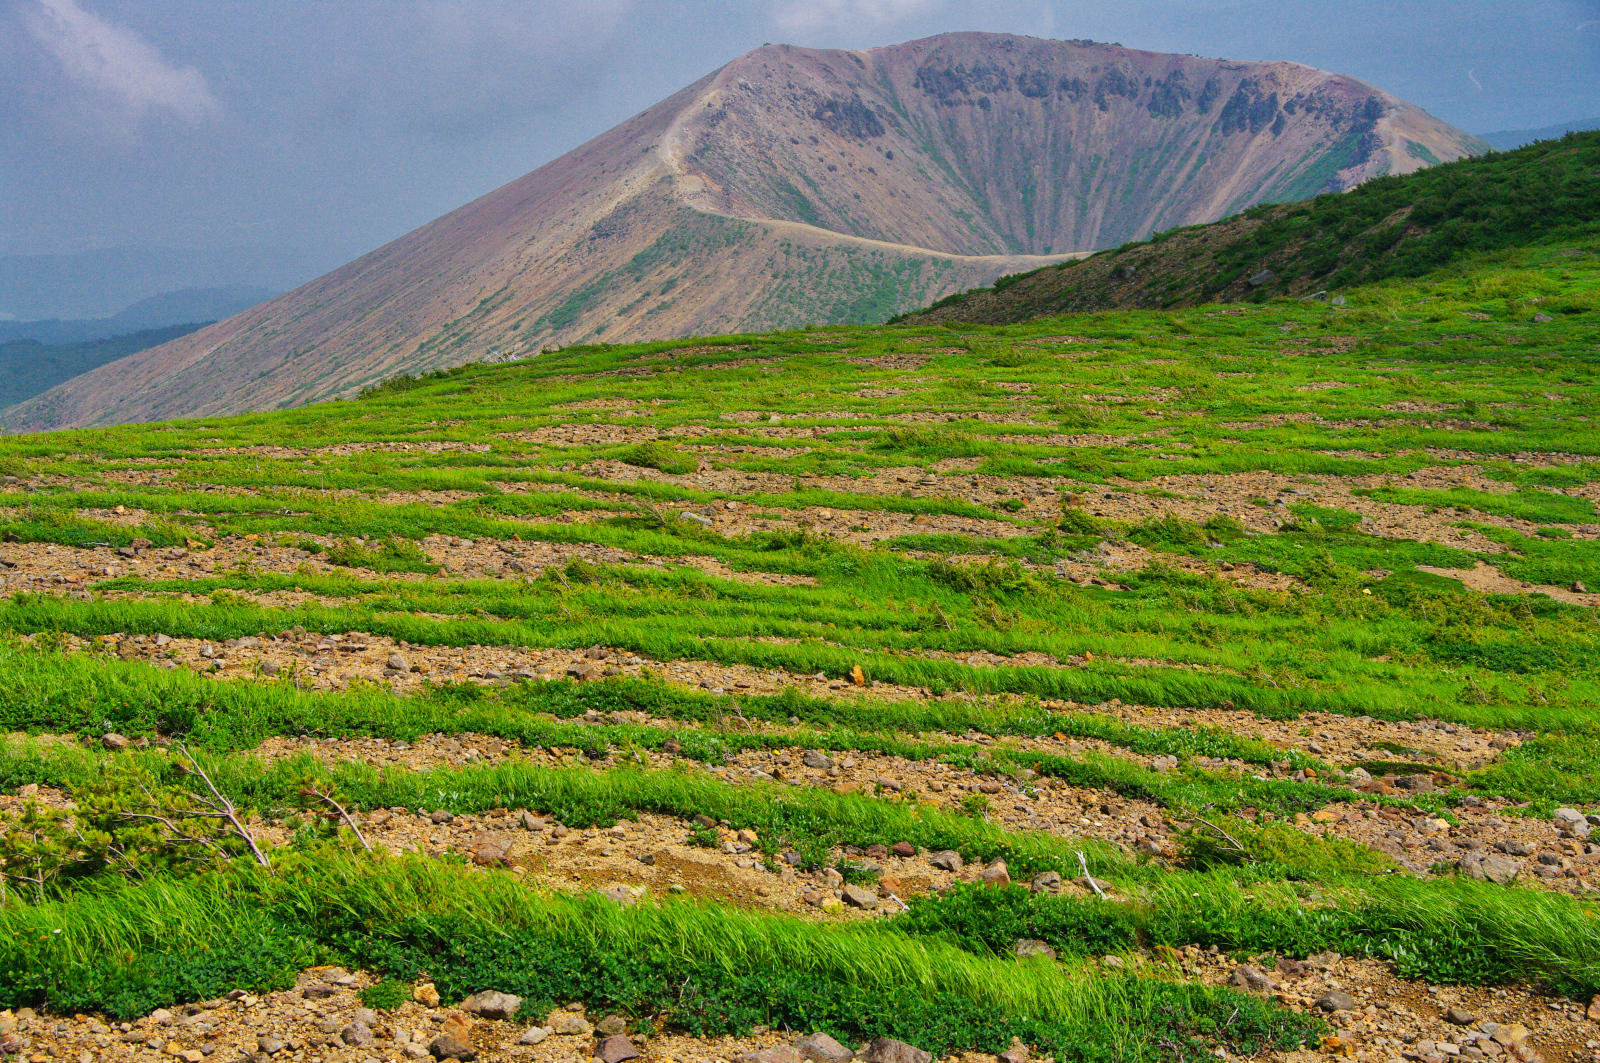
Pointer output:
1253, 979
1542, 318
948, 860
611, 1025
1491, 867
888, 1050
1336, 1000
820, 1048
357, 1033
269, 1045
399, 663
1459, 1017
859, 897
533, 1035
114, 741
1571, 821
1046, 882
491, 1004
813, 759
616, 1049
1258, 279
1033, 947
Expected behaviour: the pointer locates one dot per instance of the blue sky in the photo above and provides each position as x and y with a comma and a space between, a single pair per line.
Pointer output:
332, 127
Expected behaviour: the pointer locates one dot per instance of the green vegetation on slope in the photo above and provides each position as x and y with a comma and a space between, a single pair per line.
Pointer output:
1136, 564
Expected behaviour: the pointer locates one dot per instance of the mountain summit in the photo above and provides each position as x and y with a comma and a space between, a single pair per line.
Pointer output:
790, 187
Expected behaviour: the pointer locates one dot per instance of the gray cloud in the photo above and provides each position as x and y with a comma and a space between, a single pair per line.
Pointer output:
116, 68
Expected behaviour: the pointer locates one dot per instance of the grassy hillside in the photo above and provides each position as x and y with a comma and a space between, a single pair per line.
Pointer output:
29, 368
678, 675
1389, 227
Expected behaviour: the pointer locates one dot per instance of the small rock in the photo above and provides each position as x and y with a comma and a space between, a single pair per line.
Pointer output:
1594, 1009
1046, 882
611, 1026
1571, 821
1491, 867
1253, 979
399, 663
1542, 318
1336, 1000
449, 1046
425, 994
996, 874
616, 1049
114, 742
813, 759
776, 1054
533, 1035
949, 860
568, 1024
888, 1050
1459, 1017
269, 1045
441, 816
903, 849
357, 1033
859, 897
820, 1048
491, 1004
1262, 277
1033, 947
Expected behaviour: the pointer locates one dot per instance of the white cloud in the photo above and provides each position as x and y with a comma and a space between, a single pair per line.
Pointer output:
811, 16
119, 67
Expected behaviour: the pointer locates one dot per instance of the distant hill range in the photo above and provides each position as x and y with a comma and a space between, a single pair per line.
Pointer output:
29, 368
794, 186
1509, 139
1392, 227
188, 306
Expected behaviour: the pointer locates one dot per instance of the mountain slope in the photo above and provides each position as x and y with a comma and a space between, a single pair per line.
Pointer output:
793, 186
1397, 227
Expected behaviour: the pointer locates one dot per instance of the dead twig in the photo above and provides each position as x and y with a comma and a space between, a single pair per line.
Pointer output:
1084, 863
1225, 836
328, 799
222, 808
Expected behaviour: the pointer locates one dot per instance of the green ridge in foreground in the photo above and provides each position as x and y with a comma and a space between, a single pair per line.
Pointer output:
1125, 558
